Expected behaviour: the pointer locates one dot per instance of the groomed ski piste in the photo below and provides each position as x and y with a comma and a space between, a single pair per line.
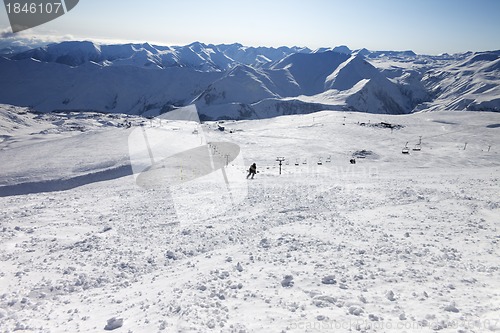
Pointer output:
396, 242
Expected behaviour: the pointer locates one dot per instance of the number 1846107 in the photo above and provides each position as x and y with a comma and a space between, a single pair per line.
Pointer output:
34, 8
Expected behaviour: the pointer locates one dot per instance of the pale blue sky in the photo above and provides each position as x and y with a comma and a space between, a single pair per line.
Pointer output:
424, 26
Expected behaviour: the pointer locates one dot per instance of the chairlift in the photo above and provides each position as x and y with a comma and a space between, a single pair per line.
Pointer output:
305, 161
417, 147
320, 162
297, 162
406, 150
328, 159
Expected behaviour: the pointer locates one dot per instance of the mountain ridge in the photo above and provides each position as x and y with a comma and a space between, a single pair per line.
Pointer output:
237, 82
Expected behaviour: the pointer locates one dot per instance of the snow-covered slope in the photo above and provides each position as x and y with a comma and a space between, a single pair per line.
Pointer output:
350, 72
258, 56
196, 55
241, 84
311, 70
67, 53
469, 85
371, 91
339, 49
117, 89
468, 81
233, 81
396, 242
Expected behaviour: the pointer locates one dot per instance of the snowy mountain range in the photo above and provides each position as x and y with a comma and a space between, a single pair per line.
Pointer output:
238, 82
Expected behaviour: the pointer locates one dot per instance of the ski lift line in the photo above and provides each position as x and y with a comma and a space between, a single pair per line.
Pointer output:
421, 137
340, 121
425, 137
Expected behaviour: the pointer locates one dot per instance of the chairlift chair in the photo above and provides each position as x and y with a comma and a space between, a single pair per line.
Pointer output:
406, 150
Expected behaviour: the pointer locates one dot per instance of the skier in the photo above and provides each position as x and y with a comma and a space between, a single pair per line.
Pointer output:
252, 171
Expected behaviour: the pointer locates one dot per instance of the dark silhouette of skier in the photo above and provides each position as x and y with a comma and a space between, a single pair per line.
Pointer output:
252, 171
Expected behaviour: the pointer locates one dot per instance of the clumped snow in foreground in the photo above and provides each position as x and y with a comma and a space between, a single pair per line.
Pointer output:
393, 243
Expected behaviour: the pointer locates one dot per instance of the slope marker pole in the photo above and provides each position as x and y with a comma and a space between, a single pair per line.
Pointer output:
280, 160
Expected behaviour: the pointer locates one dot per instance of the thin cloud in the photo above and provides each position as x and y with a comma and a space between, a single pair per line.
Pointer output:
6, 33
27, 40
